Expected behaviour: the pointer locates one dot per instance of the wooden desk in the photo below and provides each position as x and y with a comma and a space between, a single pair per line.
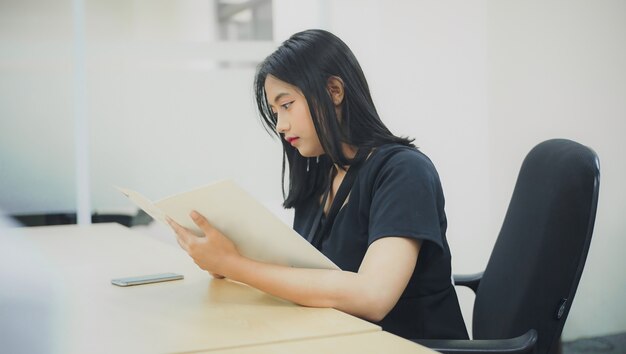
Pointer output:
360, 343
58, 294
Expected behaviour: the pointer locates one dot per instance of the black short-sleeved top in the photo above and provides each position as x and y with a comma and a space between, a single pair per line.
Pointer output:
397, 192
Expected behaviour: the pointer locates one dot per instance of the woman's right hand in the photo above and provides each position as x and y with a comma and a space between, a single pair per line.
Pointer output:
213, 252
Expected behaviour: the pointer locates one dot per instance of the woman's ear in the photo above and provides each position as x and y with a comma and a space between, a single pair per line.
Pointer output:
334, 85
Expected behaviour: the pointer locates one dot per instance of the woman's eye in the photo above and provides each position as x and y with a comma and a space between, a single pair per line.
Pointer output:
287, 105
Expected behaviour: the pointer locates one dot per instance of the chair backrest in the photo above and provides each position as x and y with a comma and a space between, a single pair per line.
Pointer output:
538, 258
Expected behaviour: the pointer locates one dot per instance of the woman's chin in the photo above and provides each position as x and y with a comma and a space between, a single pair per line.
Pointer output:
307, 153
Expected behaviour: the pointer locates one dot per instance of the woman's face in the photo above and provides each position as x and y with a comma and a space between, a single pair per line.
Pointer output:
293, 118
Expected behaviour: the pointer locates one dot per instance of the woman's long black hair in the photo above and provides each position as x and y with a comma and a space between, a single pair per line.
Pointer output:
307, 60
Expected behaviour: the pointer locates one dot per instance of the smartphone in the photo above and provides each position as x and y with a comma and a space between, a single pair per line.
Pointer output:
146, 279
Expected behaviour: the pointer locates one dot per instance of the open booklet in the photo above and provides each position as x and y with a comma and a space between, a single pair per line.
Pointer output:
257, 233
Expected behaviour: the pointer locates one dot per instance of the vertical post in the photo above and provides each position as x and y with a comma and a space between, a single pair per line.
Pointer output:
81, 127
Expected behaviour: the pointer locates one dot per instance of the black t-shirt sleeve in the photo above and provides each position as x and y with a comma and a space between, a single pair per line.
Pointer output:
407, 199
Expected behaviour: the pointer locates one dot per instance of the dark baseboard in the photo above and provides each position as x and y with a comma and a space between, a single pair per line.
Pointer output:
140, 218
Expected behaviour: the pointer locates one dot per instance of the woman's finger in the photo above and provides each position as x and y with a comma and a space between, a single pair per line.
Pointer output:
181, 234
182, 244
202, 222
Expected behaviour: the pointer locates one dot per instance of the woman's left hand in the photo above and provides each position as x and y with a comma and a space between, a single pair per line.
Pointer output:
212, 252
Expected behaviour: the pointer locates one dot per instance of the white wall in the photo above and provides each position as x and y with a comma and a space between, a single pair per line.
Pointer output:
476, 83
558, 69
167, 114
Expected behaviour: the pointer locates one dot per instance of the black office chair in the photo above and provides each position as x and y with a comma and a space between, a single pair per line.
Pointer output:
526, 291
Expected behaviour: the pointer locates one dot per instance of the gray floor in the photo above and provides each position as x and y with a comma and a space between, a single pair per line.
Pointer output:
613, 344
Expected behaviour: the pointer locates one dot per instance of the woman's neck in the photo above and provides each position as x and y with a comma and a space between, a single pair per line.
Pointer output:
349, 151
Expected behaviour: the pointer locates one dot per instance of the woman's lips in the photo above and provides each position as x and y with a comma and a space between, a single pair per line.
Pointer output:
292, 140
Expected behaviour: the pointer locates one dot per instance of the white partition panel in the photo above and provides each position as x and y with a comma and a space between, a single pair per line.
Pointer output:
36, 116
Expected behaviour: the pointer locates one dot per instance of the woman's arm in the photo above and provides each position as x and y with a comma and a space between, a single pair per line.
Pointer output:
370, 293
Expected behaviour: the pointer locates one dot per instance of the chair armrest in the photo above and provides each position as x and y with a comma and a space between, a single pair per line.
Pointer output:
470, 280
524, 344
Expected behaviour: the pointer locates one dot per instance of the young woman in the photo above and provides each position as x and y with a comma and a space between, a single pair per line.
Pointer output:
369, 200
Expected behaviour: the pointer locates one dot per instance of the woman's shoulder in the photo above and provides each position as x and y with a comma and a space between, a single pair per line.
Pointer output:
402, 157
399, 166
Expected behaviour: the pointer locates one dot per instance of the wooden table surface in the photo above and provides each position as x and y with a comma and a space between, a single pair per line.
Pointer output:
56, 296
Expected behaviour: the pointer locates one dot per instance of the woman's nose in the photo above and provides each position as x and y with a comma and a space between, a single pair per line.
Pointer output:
281, 124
